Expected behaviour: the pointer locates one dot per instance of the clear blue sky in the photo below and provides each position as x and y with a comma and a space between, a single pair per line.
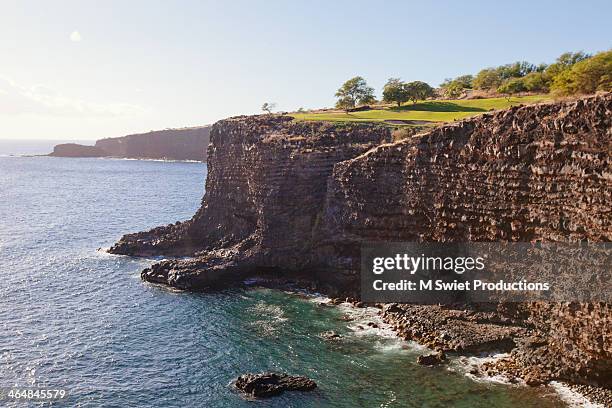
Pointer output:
86, 70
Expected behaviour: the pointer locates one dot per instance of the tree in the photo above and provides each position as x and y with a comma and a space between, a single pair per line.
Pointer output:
268, 107
564, 62
465, 81
395, 91
586, 76
536, 82
487, 78
354, 92
418, 90
453, 88
494, 77
512, 86
516, 70
345, 104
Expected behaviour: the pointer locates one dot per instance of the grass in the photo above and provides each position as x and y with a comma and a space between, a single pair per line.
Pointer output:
429, 111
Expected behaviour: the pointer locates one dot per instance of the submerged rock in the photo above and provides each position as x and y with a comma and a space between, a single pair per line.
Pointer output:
269, 384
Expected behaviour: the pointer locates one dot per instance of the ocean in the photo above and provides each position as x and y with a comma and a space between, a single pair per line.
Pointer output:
73, 317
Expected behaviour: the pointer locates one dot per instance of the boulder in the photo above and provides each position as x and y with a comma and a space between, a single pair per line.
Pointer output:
432, 359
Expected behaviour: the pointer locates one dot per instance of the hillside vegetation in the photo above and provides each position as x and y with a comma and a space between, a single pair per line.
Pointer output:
428, 111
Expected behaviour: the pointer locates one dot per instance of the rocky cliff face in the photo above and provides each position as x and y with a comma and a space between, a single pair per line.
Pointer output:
265, 192
169, 144
528, 173
298, 199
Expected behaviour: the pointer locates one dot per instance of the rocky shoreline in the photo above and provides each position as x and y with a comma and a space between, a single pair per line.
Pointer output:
451, 332
443, 335
292, 200
441, 348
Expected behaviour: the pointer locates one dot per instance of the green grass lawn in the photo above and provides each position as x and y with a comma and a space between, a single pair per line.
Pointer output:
431, 111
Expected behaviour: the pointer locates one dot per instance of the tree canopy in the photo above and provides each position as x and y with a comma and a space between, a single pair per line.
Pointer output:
572, 73
395, 91
585, 76
418, 90
453, 88
354, 92
399, 92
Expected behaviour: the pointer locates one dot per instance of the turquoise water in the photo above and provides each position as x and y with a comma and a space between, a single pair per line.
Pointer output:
76, 318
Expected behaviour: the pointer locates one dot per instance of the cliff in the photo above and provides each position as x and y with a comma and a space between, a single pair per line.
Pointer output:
265, 191
524, 174
298, 199
173, 144
169, 144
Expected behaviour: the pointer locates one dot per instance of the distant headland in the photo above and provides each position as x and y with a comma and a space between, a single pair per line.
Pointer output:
169, 144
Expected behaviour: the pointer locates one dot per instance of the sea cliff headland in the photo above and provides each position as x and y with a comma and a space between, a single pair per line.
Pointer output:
296, 200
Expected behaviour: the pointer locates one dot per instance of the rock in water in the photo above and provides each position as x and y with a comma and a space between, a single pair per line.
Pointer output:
270, 384
432, 359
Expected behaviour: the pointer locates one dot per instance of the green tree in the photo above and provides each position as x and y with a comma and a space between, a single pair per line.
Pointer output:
586, 76
395, 91
465, 81
512, 86
453, 88
564, 62
418, 90
354, 92
536, 81
516, 70
488, 78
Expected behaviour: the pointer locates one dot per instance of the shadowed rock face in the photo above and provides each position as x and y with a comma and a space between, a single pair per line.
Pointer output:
298, 199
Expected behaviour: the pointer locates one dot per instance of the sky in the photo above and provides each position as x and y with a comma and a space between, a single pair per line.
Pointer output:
90, 69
